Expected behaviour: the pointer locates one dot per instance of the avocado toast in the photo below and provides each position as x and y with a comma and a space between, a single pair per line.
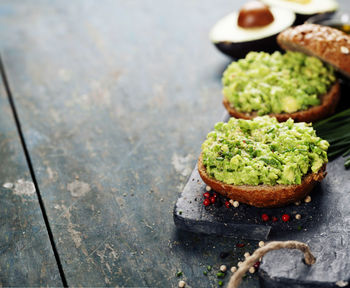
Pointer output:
292, 85
261, 162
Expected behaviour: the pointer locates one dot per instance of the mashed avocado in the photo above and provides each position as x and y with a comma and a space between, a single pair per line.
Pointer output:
276, 83
263, 151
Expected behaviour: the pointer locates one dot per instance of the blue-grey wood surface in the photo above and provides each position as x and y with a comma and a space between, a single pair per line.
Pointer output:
114, 99
26, 256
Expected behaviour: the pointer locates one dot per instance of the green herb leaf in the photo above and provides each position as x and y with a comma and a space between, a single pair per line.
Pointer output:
336, 130
347, 163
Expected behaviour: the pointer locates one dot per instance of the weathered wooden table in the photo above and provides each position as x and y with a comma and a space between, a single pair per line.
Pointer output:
104, 105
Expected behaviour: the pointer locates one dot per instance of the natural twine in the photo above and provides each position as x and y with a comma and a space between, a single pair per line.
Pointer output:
236, 278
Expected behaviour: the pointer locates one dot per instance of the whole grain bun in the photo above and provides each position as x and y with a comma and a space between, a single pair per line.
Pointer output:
263, 195
329, 44
327, 107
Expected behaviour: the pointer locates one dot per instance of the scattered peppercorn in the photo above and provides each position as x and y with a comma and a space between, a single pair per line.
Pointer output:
261, 244
227, 204
206, 202
251, 270
233, 269
256, 265
265, 217
285, 217
223, 268
206, 194
208, 188
307, 199
182, 284
298, 216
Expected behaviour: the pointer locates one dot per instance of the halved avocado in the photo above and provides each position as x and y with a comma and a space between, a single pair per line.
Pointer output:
237, 41
305, 8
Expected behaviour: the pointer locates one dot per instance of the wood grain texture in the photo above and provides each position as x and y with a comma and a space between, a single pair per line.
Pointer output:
115, 98
26, 257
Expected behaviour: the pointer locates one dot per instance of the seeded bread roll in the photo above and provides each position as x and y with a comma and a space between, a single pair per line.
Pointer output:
263, 195
329, 44
327, 107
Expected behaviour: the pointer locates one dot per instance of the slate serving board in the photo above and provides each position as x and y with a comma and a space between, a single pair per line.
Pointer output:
324, 225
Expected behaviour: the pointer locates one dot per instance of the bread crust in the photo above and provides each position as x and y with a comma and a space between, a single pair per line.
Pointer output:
329, 44
263, 195
327, 107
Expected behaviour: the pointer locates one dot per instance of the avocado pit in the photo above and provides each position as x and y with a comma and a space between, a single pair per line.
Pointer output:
254, 14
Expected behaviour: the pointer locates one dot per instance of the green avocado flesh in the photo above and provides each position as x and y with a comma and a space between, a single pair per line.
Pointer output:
263, 151
276, 83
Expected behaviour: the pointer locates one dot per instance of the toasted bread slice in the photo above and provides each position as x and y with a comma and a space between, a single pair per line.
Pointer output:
263, 195
329, 44
327, 107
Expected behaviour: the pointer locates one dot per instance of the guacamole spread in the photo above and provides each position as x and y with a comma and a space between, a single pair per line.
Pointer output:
276, 83
263, 151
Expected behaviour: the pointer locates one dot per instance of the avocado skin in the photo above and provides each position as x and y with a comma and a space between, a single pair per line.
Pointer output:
241, 49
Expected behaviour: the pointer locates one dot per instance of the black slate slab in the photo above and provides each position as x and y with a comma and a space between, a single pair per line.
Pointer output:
324, 226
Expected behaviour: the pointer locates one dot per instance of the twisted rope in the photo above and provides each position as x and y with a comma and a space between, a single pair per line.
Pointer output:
236, 278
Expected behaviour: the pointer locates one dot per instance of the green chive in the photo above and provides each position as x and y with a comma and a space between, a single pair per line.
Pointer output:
347, 163
220, 275
220, 283
209, 268
205, 273
335, 130
179, 274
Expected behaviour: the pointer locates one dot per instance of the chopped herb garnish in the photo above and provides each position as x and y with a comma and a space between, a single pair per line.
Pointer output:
205, 273
220, 275
220, 283
209, 268
179, 274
